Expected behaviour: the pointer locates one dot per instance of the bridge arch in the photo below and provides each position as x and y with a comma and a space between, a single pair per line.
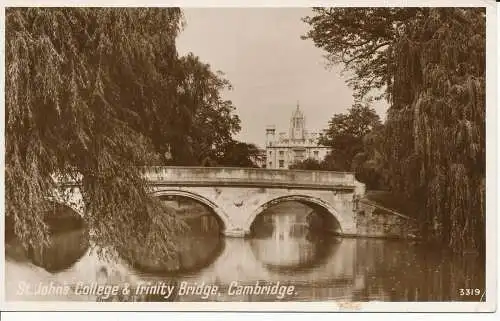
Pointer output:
73, 202
305, 199
219, 212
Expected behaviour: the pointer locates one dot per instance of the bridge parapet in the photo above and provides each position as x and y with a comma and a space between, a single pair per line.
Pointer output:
239, 176
257, 177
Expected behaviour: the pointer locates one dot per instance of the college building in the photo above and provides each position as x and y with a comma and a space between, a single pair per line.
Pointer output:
298, 144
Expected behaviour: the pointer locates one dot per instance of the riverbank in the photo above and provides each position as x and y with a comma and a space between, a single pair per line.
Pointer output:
392, 201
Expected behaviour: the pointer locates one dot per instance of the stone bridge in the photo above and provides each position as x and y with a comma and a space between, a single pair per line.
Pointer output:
238, 195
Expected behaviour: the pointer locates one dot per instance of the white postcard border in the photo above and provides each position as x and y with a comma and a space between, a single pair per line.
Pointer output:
491, 179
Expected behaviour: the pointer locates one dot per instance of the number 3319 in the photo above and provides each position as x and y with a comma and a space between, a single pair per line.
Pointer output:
469, 292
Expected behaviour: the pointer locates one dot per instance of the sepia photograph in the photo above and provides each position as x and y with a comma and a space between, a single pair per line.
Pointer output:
259, 155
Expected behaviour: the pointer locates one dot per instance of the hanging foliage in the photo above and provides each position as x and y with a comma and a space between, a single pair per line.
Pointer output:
436, 123
430, 64
80, 83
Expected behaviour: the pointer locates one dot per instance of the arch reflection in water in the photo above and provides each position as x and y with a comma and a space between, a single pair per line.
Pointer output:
293, 237
68, 239
198, 247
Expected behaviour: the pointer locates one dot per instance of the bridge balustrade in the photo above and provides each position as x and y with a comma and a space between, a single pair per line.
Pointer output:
248, 177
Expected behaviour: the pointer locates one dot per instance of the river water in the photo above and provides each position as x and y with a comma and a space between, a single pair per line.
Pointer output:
283, 260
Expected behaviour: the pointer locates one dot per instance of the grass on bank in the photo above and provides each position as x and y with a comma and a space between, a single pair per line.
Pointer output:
393, 201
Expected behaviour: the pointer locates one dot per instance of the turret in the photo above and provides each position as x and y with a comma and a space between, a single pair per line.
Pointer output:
270, 135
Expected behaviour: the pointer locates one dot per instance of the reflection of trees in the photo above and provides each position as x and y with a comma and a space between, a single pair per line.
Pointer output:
262, 226
198, 247
320, 221
65, 249
399, 271
68, 241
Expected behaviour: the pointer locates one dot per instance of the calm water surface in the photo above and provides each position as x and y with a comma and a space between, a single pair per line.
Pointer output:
283, 248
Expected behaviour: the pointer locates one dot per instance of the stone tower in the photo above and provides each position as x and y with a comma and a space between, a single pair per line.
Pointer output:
297, 125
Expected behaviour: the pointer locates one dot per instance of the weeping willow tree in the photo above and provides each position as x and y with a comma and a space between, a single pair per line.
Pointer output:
436, 123
78, 83
430, 65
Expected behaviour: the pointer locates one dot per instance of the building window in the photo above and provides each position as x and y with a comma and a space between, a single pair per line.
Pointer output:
282, 163
282, 153
316, 154
270, 153
270, 164
299, 155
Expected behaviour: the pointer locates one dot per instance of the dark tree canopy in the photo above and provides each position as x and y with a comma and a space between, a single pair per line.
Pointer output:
201, 123
362, 40
430, 65
345, 134
96, 93
239, 154
370, 163
436, 123
307, 164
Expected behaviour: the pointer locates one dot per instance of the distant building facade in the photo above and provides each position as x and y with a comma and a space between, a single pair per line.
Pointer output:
284, 149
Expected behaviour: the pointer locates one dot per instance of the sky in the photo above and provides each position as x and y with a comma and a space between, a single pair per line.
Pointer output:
269, 66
